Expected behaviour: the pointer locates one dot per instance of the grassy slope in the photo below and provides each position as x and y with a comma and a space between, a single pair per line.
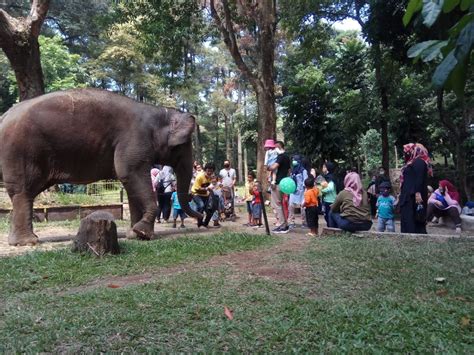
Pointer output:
360, 295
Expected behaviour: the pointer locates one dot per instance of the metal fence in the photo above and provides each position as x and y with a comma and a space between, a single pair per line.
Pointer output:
97, 193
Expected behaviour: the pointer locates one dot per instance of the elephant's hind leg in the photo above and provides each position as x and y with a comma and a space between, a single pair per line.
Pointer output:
21, 229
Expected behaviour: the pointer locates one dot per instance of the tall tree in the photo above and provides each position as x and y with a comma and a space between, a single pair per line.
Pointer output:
19, 41
248, 29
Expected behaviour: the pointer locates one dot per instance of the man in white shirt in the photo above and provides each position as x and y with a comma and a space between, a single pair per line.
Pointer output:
228, 177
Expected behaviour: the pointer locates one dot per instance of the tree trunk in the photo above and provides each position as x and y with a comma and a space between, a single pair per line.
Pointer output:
246, 164
97, 235
228, 151
266, 129
26, 63
264, 13
239, 158
384, 103
197, 144
216, 142
19, 41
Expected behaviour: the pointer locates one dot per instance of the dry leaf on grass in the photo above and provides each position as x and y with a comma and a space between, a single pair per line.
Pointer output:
465, 321
113, 286
442, 292
228, 313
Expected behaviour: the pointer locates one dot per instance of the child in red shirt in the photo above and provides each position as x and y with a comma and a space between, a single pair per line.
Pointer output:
257, 205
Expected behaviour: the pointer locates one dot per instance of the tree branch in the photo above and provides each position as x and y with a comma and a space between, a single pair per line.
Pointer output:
230, 40
7, 27
37, 15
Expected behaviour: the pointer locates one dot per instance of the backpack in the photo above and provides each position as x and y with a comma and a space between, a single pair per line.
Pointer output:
161, 186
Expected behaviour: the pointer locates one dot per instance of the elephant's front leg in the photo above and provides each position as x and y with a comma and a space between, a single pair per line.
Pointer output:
21, 229
142, 205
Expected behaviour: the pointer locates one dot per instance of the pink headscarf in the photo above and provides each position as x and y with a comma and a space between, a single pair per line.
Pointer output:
353, 184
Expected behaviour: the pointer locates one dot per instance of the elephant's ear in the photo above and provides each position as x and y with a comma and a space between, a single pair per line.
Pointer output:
181, 128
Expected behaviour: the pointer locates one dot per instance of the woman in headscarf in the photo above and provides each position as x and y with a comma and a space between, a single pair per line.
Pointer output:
445, 202
414, 188
351, 211
298, 173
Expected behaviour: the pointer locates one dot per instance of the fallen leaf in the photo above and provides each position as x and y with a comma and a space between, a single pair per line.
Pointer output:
465, 321
440, 279
45, 277
228, 313
442, 292
113, 286
460, 298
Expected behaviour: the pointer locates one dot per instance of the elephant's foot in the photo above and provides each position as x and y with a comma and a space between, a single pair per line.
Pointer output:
22, 239
143, 230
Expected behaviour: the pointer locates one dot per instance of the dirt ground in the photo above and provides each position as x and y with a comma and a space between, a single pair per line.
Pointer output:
55, 237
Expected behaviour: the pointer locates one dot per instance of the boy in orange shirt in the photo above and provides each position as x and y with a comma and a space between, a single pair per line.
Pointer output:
311, 206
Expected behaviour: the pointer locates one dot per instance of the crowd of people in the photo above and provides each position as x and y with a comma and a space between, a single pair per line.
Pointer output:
349, 206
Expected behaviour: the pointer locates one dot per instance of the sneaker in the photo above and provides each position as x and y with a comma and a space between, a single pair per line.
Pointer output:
292, 225
311, 234
281, 230
435, 220
216, 224
458, 230
182, 226
174, 225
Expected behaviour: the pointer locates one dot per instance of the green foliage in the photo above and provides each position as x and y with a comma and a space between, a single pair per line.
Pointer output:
61, 69
452, 72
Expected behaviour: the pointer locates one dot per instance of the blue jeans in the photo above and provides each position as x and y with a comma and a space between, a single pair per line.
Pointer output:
337, 221
385, 222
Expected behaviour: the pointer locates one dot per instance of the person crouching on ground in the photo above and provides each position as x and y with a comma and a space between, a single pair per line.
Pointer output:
385, 209
257, 205
201, 191
177, 210
310, 204
444, 202
350, 211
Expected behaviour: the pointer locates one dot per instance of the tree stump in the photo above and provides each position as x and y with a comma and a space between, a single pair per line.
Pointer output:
97, 235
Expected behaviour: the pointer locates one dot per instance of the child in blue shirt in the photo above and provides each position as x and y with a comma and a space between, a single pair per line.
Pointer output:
177, 211
385, 208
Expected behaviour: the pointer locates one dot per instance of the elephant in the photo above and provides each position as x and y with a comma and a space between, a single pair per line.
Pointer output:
83, 135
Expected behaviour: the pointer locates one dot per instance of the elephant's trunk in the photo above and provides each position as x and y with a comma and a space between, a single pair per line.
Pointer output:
184, 175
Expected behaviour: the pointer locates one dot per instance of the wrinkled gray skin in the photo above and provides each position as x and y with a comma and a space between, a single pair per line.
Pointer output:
81, 136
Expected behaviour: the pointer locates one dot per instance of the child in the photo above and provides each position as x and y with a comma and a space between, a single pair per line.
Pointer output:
311, 206
257, 205
248, 196
177, 211
216, 187
271, 154
385, 208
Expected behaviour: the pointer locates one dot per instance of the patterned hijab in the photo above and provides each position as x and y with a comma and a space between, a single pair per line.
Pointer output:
414, 151
353, 184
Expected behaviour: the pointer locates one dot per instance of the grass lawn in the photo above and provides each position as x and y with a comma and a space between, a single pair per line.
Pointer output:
346, 295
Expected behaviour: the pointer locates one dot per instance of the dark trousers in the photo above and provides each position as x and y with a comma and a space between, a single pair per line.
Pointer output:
312, 217
337, 221
451, 212
164, 205
201, 206
327, 209
373, 204
408, 223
